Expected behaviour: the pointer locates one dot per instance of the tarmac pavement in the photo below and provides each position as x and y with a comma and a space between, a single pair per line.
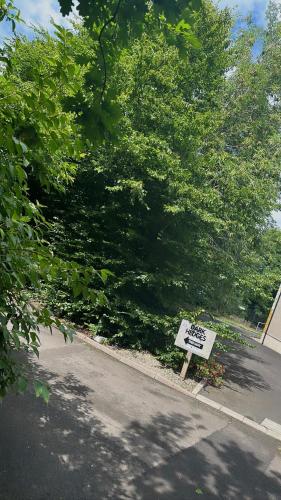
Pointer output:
252, 384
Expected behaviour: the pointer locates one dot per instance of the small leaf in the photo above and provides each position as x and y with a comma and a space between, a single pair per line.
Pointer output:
38, 387
71, 70
22, 384
6, 60
3, 364
45, 393
41, 390
66, 331
50, 105
101, 299
70, 332
105, 273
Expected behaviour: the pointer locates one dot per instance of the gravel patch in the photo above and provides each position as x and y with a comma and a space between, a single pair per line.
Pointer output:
147, 359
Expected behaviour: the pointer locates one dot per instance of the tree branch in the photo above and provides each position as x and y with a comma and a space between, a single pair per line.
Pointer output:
106, 24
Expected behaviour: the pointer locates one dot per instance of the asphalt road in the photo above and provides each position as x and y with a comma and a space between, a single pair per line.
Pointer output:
252, 384
110, 432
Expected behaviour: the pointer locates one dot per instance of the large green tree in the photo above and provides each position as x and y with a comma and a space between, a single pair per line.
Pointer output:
145, 206
252, 131
175, 207
261, 282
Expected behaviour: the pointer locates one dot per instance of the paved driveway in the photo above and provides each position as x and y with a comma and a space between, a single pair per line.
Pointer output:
252, 383
110, 432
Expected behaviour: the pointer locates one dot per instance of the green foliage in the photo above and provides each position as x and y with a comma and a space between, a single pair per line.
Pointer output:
41, 390
130, 15
39, 144
9, 13
262, 281
212, 371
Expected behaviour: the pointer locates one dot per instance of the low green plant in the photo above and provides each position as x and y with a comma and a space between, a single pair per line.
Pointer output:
210, 370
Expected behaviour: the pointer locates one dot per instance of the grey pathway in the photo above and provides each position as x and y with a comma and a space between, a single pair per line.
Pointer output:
110, 432
252, 383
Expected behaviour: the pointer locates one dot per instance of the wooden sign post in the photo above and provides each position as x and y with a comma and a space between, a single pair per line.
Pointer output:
186, 364
194, 339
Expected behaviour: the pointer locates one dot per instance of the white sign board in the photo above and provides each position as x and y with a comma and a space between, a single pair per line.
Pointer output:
195, 338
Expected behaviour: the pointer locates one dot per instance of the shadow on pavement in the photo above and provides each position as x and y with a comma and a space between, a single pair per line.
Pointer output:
243, 368
189, 470
64, 450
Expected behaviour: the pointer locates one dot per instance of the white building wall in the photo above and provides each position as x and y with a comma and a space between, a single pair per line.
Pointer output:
272, 330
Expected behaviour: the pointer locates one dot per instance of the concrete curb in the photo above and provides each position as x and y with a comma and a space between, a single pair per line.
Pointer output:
133, 364
199, 386
194, 394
